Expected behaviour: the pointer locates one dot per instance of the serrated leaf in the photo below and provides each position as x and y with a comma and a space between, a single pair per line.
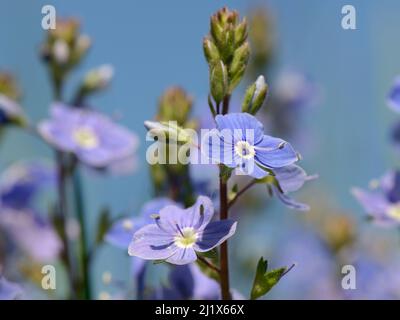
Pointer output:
265, 280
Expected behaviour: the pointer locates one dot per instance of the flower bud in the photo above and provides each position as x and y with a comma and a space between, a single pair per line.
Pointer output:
99, 78
218, 81
261, 38
210, 51
60, 52
167, 130
241, 33
240, 59
174, 105
255, 96
226, 33
8, 86
248, 98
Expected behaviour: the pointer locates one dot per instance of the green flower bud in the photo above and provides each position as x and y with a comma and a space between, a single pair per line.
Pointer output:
241, 33
261, 37
259, 95
168, 130
8, 86
226, 33
240, 59
218, 81
99, 78
248, 98
235, 80
174, 105
210, 51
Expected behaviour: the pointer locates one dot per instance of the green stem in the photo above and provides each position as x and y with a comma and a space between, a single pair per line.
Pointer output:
242, 191
63, 217
80, 210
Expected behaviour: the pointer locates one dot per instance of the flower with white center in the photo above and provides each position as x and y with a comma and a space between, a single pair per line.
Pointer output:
177, 234
94, 138
240, 142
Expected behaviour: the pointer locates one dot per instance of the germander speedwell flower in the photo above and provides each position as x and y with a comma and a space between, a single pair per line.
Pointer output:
382, 203
240, 142
178, 233
92, 137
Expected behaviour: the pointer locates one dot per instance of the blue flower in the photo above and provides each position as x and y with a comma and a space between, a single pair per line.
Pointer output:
289, 179
178, 233
240, 143
31, 233
122, 231
9, 290
382, 202
21, 182
393, 98
28, 230
92, 137
188, 282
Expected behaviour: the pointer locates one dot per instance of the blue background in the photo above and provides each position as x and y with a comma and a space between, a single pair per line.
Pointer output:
155, 44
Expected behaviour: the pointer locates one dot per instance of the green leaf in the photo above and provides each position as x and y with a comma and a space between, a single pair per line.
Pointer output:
103, 225
265, 280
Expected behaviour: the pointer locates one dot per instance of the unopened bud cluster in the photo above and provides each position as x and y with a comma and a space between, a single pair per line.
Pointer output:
227, 52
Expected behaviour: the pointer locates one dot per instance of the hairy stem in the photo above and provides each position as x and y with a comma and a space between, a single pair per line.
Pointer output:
224, 263
225, 104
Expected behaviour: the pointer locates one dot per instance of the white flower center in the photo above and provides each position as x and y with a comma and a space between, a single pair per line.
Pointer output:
394, 211
244, 150
86, 138
127, 224
186, 238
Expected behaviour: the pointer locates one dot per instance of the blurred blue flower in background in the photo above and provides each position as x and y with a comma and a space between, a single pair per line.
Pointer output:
393, 99
92, 137
19, 218
382, 203
9, 290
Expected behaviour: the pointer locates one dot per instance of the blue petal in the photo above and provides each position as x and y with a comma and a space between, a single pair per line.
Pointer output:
251, 168
9, 290
214, 234
289, 202
243, 122
291, 178
219, 147
275, 153
152, 243
183, 256
374, 203
393, 99
173, 218
182, 282
121, 236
